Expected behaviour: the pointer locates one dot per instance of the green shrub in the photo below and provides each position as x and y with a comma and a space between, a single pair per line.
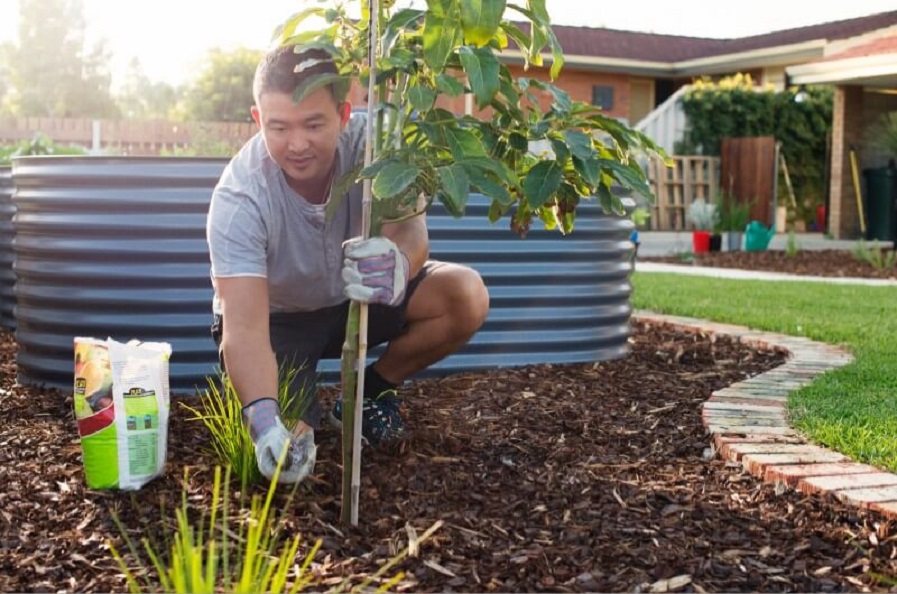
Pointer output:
733, 108
39, 145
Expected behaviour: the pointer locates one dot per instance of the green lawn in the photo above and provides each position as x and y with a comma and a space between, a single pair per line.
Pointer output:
853, 409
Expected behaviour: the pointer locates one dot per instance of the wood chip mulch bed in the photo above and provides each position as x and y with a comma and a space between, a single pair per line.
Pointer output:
831, 263
592, 477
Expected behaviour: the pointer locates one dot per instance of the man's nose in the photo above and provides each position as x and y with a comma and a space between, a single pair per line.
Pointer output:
298, 143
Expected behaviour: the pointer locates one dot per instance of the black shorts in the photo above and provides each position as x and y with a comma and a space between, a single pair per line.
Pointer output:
301, 339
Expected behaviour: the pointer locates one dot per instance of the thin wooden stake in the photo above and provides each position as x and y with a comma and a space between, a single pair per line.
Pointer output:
366, 233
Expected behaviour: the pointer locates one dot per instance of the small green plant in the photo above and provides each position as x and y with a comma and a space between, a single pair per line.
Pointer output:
222, 413
216, 556
237, 552
41, 144
792, 248
875, 255
733, 215
703, 215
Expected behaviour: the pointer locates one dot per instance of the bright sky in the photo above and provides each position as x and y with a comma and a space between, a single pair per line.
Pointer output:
170, 36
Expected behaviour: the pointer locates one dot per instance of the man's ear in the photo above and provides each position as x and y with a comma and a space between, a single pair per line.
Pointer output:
345, 112
256, 117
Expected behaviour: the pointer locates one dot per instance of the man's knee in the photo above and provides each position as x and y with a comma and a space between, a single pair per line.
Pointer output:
470, 303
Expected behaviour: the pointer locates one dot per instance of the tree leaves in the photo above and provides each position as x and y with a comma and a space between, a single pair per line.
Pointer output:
542, 182
440, 34
394, 179
482, 68
456, 186
480, 20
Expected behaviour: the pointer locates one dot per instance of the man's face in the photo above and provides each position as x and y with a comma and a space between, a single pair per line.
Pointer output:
302, 138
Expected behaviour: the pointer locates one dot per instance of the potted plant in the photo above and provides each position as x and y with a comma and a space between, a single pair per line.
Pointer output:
703, 217
733, 218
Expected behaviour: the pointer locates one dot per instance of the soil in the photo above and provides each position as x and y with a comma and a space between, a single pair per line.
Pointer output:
562, 478
830, 263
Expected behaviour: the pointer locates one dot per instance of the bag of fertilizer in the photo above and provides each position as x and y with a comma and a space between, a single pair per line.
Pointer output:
121, 401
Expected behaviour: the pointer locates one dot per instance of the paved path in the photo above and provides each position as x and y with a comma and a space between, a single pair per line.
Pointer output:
747, 420
668, 243
736, 273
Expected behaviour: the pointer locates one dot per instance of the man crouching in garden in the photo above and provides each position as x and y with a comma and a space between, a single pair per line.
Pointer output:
283, 270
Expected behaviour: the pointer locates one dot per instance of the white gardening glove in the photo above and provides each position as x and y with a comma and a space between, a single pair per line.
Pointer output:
375, 271
272, 440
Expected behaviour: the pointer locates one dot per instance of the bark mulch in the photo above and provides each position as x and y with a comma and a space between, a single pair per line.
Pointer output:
832, 263
590, 477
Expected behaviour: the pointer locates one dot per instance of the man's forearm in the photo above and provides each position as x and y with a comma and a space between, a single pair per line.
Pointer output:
412, 238
251, 365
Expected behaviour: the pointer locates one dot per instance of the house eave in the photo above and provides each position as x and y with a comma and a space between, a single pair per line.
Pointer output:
772, 56
880, 68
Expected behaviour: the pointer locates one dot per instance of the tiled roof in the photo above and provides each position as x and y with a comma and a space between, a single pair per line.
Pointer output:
613, 43
880, 46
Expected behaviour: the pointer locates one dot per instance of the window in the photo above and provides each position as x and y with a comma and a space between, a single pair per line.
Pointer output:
603, 96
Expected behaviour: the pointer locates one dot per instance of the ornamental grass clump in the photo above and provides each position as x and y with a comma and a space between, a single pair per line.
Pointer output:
222, 413
244, 552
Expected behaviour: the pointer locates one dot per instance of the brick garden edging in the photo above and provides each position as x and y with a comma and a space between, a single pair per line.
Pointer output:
748, 424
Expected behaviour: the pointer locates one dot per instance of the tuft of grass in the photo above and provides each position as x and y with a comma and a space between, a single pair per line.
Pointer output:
222, 413
216, 556
238, 552
792, 248
850, 409
875, 256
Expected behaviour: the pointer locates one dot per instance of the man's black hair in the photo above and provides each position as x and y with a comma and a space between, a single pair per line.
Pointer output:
283, 69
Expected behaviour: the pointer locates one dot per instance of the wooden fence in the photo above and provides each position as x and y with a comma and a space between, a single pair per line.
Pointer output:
675, 187
131, 137
678, 186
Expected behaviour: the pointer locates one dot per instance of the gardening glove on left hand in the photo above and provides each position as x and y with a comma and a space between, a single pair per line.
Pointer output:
375, 271
273, 441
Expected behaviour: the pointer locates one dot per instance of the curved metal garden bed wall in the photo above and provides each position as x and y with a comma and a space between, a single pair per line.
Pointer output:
7, 276
116, 247
112, 247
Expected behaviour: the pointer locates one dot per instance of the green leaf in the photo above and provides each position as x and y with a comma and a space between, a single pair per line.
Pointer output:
498, 168
588, 169
422, 98
482, 68
288, 28
580, 143
495, 212
517, 34
449, 85
313, 83
439, 7
561, 151
488, 186
537, 7
463, 143
631, 177
439, 36
541, 183
480, 20
518, 142
394, 179
549, 217
397, 23
455, 184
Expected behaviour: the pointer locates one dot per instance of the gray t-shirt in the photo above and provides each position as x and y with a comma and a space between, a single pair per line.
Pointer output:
258, 226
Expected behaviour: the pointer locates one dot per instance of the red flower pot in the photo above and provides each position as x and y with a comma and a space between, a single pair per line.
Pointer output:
700, 241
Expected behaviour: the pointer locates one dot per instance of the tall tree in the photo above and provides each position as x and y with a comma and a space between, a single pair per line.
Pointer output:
53, 70
223, 89
142, 98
